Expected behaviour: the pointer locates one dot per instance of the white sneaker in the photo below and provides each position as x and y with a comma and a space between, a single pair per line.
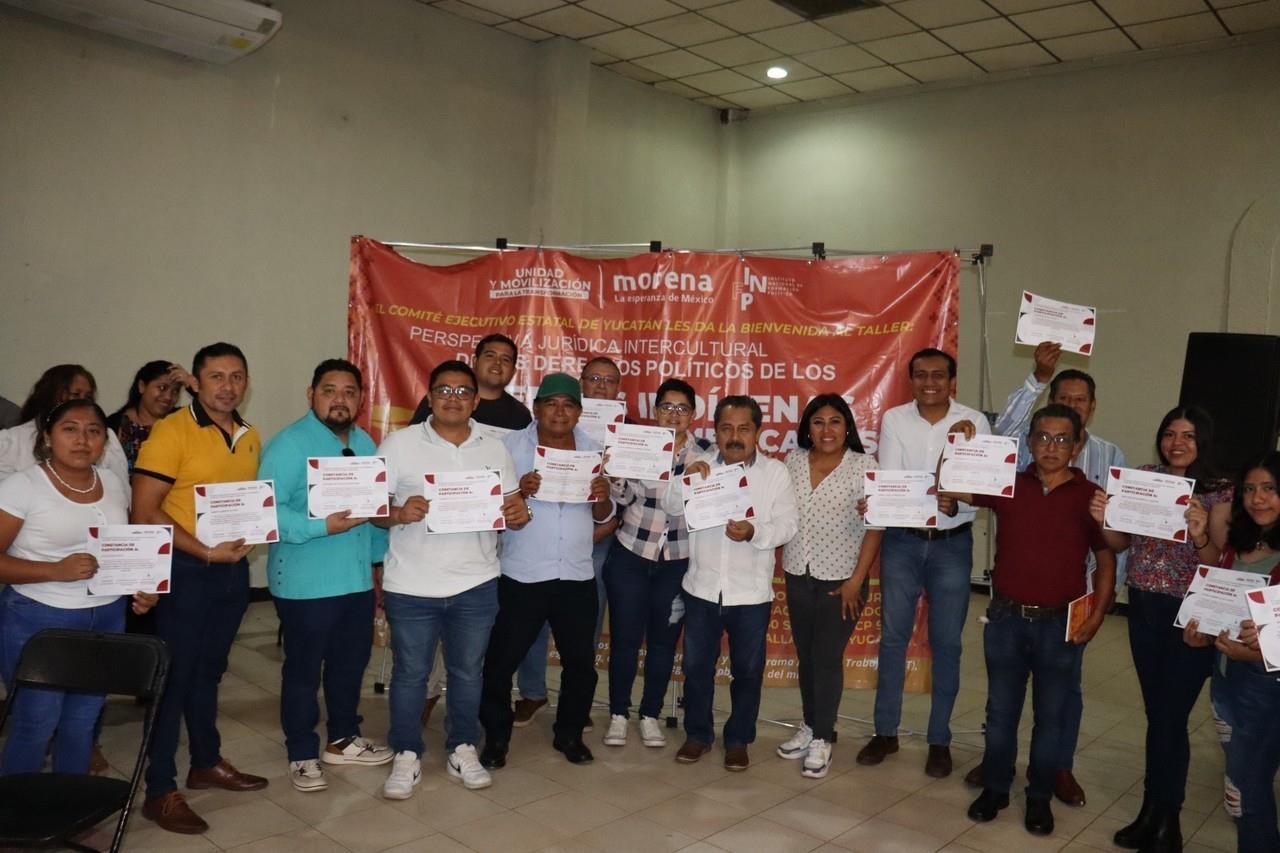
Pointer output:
798, 745
306, 775
356, 750
465, 765
617, 733
817, 761
406, 772
651, 732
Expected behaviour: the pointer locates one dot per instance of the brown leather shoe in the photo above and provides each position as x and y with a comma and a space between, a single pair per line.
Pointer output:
525, 711
223, 775
974, 777
938, 764
877, 748
172, 814
692, 751
1067, 789
736, 759
427, 709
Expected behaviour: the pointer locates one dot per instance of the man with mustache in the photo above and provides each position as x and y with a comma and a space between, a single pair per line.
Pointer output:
321, 577
729, 585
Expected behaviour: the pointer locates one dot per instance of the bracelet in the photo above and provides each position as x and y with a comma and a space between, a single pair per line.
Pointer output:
208, 555
1201, 547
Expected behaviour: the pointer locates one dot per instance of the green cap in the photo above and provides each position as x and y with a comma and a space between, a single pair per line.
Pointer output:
559, 383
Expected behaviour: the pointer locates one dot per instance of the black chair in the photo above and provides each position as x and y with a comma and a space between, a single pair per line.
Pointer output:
49, 809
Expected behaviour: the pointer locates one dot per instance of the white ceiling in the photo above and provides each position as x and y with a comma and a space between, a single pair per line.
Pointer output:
716, 52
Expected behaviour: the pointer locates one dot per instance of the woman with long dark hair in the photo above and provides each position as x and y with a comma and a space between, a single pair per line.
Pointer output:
153, 394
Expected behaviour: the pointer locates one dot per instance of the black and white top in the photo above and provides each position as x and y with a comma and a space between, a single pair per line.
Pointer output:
831, 531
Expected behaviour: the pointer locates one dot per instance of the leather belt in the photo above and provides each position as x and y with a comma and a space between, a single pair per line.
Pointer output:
930, 534
1028, 612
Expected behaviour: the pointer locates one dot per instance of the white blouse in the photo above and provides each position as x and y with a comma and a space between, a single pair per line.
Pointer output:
831, 531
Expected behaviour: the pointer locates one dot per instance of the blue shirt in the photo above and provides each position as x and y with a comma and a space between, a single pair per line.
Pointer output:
307, 562
556, 544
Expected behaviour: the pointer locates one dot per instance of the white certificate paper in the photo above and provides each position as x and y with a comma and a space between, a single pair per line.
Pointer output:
355, 483
1147, 503
1264, 609
1043, 319
131, 558
722, 497
983, 465
639, 452
463, 501
226, 512
1216, 599
901, 498
566, 474
598, 414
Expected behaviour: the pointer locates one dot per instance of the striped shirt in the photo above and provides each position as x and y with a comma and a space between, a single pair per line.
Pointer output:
645, 530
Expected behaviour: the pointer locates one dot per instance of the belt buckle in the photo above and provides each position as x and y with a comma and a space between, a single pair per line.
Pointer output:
1027, 612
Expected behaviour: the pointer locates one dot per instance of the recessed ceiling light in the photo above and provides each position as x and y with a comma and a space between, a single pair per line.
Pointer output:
776, 72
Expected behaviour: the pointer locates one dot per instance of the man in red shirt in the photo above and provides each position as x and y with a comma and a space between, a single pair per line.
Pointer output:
1032, 585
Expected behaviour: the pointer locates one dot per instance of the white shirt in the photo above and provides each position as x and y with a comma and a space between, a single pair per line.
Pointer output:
54, 527
831, 530
439, 565
721, 570
910, 443
17, 452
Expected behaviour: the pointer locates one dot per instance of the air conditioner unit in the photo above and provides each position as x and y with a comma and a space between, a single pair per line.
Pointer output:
218, 31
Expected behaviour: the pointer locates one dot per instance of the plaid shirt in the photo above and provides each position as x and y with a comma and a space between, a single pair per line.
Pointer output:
646, 530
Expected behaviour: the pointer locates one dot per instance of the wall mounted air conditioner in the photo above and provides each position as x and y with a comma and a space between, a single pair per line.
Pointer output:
218, 31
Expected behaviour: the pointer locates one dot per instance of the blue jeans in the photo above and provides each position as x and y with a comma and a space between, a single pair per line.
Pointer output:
746, 625
333, 635
462, 622
39, 713
1015, 649
641, 593
1247, 699
940, 569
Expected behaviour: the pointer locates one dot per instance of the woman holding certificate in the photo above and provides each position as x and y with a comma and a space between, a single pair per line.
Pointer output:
642, 577
45, 515
827, 566
1170, 673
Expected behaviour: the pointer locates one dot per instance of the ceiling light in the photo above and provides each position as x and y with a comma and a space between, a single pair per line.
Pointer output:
776, 72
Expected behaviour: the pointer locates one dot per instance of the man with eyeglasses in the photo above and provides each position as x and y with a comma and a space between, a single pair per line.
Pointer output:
321, 577
547, 577
441, 586
1043, 535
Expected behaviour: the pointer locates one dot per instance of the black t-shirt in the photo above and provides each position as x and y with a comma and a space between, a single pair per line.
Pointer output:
506, 412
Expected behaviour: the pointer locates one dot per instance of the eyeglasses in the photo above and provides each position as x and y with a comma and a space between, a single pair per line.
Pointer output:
347, 451
1060, 439
462, 392
600, 377
675, 408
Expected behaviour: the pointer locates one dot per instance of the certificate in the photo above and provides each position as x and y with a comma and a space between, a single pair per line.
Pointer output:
463, 501
355, 483
131, 558
1264, 609
1078, 612
226, 512
598, 414
1043, 319
720, 498
639, 452
900, 498
1216, 599
1148, 503
566, 474
493, 431
983, 465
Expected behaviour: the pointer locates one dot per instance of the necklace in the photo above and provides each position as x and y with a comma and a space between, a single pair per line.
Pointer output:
93, 485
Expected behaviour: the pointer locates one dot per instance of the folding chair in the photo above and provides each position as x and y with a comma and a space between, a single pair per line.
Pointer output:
49, 809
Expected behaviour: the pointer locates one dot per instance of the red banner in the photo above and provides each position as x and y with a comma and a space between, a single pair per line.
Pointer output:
780, 330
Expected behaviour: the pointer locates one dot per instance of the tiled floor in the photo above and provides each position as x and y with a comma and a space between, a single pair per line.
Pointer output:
638, 799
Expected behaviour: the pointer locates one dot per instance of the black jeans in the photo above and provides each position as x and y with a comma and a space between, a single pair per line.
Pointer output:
820, 633
1171, 675
570, 608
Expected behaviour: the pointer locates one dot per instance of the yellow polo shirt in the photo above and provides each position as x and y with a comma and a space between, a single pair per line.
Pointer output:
187, 449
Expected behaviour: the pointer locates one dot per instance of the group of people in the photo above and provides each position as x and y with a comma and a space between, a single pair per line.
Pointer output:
474, 610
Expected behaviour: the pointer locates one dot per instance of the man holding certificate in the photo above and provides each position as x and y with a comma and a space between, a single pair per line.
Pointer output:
1044, 533
320, 572
547, 577
728, 587
442, 586
207, 442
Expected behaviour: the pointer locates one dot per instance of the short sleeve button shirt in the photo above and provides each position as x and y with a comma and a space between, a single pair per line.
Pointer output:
831, 530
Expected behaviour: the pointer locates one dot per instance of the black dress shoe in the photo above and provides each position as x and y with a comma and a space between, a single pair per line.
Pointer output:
574, 750
988, 804
1039, 819
494, 755
1166, 833
1135, 834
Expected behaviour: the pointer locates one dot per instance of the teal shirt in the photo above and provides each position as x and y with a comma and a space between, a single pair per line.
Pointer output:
307, 562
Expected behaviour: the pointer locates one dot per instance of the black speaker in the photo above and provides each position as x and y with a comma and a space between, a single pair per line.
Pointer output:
1237, 379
